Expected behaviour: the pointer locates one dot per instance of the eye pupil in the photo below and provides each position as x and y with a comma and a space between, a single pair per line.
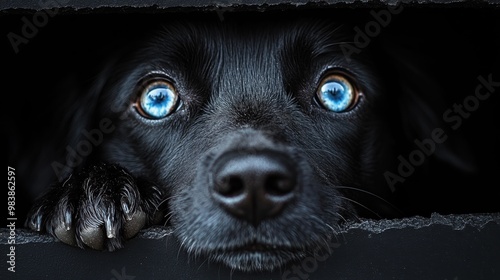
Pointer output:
158, 100
336, 94
156, 95
334, 90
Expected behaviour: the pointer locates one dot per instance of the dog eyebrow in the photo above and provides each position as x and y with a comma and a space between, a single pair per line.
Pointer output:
307, 48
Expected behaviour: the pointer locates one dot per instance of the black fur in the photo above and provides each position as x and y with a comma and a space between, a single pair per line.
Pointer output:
245, 88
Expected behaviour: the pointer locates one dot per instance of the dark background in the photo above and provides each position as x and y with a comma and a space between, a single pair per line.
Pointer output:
457, 44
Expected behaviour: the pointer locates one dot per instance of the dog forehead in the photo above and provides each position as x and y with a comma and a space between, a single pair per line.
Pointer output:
250, 63
241, 45
248, 57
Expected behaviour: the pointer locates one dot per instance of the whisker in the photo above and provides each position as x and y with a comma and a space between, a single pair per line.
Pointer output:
169, 198
326, 246
369, 193
334, 233
333, 230
203, 262
180, 248
169, 216
340, 216
364, 191
357, 203
340, 231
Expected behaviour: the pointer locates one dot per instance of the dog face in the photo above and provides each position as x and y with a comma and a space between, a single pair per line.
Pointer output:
257, 132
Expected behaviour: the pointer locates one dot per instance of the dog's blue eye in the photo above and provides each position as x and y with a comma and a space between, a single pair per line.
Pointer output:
336, 93
158, 100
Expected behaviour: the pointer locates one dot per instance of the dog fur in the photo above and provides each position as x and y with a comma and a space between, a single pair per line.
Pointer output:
247, 88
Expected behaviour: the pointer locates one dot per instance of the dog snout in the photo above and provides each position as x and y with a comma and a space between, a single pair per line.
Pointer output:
254, 186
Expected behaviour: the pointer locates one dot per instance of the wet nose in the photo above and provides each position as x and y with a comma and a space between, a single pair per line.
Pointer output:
253, 186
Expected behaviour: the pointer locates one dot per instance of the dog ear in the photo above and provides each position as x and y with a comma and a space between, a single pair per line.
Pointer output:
420, 101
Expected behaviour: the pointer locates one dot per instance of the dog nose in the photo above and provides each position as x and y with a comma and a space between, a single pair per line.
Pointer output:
254, 187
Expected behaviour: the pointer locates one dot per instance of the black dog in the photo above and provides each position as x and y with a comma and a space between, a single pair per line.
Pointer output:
254, 140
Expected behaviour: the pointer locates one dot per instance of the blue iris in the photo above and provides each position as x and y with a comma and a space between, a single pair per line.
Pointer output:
158, 100
336, 94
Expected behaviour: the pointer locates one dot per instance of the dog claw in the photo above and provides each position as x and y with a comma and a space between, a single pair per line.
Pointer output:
110, 229
35, 222
126, 209
68, 220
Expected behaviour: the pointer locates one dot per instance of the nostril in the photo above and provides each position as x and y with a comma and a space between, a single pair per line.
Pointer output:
279, 184
230, 186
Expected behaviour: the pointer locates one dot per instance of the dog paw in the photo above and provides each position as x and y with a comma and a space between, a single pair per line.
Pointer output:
100, 207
